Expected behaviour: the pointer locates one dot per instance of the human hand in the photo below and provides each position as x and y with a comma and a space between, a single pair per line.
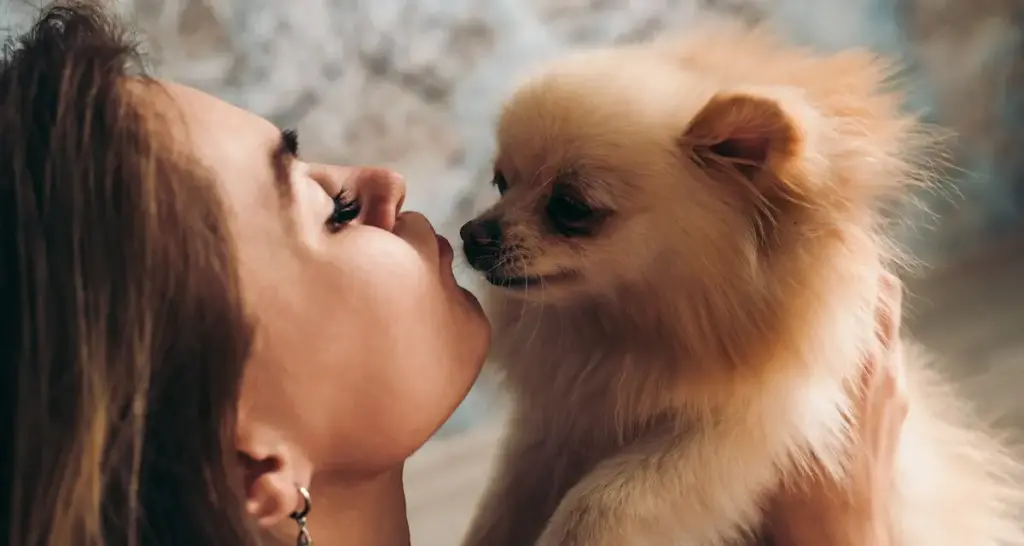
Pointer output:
856, 512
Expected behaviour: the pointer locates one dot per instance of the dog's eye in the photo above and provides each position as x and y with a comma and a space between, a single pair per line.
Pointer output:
499, 182
569, 215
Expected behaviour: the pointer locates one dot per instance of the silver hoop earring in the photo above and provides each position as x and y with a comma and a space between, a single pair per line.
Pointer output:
300, 518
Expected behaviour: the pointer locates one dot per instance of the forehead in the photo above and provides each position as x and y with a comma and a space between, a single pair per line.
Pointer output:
573, 115
235, 145
216, 127
574, 145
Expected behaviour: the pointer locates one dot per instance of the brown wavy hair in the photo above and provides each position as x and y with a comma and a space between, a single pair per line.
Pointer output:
122, 333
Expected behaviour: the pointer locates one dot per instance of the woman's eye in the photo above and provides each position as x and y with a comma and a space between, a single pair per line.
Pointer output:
346, 209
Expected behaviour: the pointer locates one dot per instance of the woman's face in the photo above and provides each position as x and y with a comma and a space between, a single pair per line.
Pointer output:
365, 344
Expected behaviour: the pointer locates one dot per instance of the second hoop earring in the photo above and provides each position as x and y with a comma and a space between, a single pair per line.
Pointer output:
300, 518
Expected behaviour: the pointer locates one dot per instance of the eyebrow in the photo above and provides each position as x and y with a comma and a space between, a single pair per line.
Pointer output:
281, 157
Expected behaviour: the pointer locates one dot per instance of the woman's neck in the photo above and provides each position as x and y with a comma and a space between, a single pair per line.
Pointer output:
368, 512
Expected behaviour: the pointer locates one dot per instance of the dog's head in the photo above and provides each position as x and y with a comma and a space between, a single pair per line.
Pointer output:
700, 163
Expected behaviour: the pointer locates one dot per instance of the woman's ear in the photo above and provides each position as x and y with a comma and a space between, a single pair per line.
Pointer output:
273, 470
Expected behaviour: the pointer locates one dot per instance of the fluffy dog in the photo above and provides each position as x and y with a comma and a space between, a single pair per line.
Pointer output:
682, 280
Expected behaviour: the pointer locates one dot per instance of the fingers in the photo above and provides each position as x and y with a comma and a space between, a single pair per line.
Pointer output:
885, 402
888, 318
883, 395
893, 377
893, 388
877, 418
889, 308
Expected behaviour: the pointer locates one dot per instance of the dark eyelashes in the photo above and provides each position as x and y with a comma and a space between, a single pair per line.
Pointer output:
346, 206
290, 137
346, 209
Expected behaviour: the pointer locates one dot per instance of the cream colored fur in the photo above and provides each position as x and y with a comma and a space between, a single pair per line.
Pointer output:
694, 353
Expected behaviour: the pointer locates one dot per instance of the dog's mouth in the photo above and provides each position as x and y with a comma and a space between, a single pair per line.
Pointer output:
512, 282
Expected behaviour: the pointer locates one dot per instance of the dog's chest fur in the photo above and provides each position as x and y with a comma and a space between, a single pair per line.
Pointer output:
586, 402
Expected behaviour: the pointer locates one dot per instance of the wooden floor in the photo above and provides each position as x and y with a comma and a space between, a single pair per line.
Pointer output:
972, 314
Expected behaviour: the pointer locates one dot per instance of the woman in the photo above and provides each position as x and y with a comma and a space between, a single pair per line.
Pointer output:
197, 328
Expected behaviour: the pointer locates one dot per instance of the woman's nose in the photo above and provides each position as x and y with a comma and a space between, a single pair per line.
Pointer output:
381, 193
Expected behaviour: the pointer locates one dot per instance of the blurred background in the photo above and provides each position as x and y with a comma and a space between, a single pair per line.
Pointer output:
416, 84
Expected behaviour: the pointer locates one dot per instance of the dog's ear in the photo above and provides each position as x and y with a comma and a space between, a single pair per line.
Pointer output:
757, 134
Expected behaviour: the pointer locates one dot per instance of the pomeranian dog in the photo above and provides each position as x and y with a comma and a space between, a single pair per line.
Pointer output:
682, 275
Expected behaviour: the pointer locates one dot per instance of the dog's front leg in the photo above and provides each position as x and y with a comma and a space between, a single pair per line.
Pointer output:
533, 473
668, 490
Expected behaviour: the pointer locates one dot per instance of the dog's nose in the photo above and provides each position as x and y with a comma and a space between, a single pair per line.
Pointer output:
485, 232
481, 242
